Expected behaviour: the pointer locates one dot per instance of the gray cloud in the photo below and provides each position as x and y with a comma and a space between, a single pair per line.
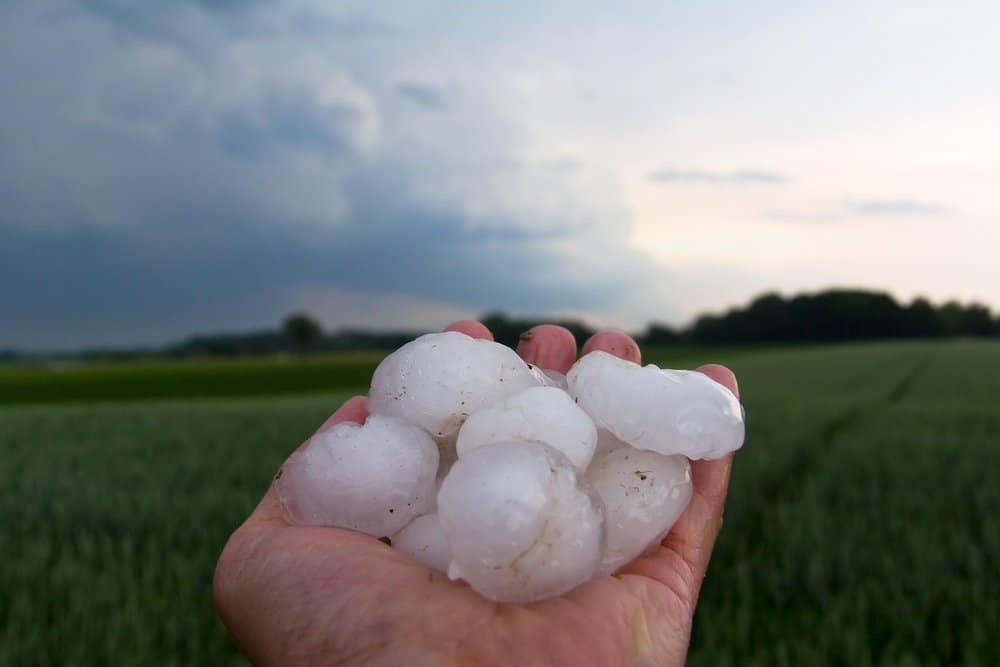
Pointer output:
142, 198
668, 175
428, 97
896, 207
290, 119
861, 208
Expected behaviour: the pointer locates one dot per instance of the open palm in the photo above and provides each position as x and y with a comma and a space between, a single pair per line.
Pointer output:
294, 595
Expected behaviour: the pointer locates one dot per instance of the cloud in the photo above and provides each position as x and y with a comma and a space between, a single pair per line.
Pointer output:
740, 177
428, 97
214, 178
896, 207
861, 208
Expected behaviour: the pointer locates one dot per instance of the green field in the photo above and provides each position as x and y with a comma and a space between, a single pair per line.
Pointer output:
861, 526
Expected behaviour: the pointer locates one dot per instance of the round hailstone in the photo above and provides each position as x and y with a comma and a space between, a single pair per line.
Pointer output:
644, 493
543, 414
439, 379
374, 478
520, 524
423, 540
665, 411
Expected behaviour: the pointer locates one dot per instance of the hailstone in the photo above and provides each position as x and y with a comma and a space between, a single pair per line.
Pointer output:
665, 411
644, 493
374, 478
423, 540
520, 523
438, 380
543, 414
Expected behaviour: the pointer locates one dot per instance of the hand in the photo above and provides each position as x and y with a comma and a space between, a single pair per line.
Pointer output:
295, 595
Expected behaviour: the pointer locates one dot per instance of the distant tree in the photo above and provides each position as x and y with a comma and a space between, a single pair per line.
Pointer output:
711, 329
302, 330
767, 318
659, 334
977, 320
920, 320
950, 317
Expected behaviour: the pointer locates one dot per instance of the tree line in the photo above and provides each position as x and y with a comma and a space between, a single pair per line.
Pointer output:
827, 316
840, 315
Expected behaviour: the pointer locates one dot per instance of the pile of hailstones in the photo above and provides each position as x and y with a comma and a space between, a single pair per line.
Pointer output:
523, 482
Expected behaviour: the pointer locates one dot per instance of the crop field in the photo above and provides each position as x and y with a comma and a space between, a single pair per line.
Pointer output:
861, 526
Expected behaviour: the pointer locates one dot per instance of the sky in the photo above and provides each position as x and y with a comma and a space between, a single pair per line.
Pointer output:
205, 166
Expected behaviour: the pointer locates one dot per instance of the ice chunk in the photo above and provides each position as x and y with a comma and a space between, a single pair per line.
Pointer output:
374, 478
423, 540
438, 380
665, 411
543, 414
643, 493
521, 525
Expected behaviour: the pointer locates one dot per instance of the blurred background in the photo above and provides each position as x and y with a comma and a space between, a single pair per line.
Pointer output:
216, 217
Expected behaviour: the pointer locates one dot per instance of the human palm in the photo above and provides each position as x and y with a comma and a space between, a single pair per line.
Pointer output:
297, 595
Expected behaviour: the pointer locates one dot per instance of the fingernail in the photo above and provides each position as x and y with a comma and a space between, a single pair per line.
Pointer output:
617, 343
548, 346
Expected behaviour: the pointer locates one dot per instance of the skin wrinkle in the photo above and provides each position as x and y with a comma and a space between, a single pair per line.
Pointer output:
375, 606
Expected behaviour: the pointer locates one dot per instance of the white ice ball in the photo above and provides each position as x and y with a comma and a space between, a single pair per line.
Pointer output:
644, 493
423, 540
374, 478
665, 411
521, 525
543, 414
439, 379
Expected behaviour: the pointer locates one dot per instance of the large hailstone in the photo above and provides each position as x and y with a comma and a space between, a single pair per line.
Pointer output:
423, 540
665, 411
543, 414
439, 379
520, 525
644, 493
374, 478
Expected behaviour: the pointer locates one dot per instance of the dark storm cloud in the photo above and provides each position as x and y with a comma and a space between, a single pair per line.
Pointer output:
746, 176
99, 283
290, 119
143, 198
